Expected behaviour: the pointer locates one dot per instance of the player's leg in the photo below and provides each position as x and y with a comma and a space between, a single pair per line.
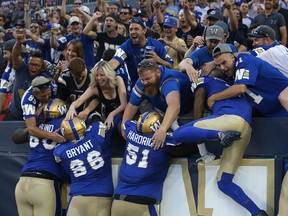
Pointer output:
283, 98
230, 160
283, 207
23, 206
90, 205
124, 208
44, 205
205, 129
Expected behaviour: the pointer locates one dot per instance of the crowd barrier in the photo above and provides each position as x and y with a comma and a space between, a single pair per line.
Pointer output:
190, 188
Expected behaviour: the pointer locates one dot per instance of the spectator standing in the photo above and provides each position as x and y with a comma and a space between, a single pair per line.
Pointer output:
109, 39
138, 47
24, 74
88, 43
3, 62
273, 19
8, 78
176, 47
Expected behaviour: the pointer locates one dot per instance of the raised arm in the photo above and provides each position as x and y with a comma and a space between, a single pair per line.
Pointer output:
63, 10
17, 60
35, 38
27, 15
88, 28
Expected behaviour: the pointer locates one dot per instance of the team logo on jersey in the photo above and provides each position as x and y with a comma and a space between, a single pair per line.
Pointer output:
121, 54
242, 73
259, 50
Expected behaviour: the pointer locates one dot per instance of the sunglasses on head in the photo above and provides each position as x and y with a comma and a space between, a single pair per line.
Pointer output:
146, 64
42, 87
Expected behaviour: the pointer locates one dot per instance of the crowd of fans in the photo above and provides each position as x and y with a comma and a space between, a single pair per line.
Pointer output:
97, 60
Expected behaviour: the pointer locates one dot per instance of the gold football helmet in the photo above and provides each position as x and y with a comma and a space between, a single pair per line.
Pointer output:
55, 108
73, 129
149, 122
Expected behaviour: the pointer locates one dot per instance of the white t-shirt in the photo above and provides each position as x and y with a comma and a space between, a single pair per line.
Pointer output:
278, 57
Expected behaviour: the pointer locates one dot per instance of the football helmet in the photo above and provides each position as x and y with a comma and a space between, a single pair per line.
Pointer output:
73, 129
149, 122
55, 108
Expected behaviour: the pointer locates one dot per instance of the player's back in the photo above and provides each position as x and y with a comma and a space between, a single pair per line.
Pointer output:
143, 170
88, 163
41, 150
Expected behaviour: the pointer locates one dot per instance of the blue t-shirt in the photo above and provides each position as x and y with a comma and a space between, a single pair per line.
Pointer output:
41, 150
88, 162
132, 55
88, 47
171, 80
202, 56
264, 83
143, 170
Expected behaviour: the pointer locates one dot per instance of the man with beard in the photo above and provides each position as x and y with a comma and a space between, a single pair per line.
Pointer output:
167, 90
137, 48
108, 38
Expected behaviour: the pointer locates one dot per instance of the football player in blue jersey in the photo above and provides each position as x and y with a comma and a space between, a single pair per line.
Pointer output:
143, 170
37, 191
166, 89
264, 86
230, 114
86, 157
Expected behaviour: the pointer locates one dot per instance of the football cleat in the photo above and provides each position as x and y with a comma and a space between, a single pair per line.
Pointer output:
55, 108
261, 213
209, 157
73, 129
228, 137
149, 122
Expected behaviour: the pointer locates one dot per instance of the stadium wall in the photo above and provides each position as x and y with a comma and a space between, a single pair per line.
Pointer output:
190, 188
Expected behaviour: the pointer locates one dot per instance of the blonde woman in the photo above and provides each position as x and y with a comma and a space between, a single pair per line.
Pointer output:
110, 91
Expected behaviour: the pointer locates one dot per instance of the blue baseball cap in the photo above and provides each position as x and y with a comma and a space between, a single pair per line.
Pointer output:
170, 22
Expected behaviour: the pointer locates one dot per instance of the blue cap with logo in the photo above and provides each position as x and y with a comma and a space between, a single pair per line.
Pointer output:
170, 22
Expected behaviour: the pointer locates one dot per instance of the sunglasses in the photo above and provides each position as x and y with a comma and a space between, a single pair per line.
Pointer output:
42, 87
147, 64
35, 27
125, 13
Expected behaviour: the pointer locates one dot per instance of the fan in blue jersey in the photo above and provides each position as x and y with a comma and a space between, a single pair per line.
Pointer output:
34, 99
137, 48
86, 157
166, 89
37, 191
230, 117
264, 86
143, 170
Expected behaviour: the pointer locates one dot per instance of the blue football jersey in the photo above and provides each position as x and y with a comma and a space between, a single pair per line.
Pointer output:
264, 83
143, 170
88, 162
171, 80
233, 106
41, 150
